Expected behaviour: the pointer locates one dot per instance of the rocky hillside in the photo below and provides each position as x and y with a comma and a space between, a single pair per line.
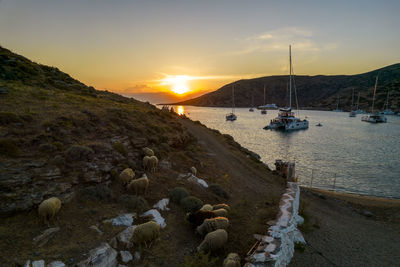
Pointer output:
59, 137
314, 92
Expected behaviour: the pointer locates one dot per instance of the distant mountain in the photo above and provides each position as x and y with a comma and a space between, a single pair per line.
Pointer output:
314, 92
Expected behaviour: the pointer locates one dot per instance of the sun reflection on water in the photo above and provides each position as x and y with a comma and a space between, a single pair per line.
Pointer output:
180, 110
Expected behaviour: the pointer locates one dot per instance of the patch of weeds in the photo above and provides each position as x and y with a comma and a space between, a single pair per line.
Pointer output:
9, 148
59, 145
8, 117
200, 260
134, 203
191, 204
120, 148
299, 247
96, 193
78, 152
177, 194
218, 190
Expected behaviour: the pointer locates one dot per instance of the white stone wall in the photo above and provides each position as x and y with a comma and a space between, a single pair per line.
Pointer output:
277, 248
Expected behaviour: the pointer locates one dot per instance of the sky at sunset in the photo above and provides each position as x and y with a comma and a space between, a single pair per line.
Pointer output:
175, 49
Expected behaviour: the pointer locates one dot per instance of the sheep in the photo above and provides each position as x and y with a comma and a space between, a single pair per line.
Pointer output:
222, 206
146, 232
207, 207
148, 152
213, 224
138, 185
193, 170
126, 176
146, 160
198, 217
153, 163
49, 208
213, 241
232, 260
221, 212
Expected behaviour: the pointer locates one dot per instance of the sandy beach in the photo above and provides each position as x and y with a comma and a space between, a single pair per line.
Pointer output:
348, 230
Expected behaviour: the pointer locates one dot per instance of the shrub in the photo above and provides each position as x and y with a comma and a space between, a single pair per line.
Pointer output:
8, 117
134, 203
191, 204
8, 148
177, 194
200, 260
78, 152
218, 190
120, 148
96, 193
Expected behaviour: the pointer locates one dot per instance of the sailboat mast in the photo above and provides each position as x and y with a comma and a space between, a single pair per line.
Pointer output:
358, 100
352, 100
264, 95
233, 98
373, 98
290, 76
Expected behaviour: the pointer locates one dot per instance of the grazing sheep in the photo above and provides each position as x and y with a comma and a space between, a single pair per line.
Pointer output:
148, 152
198, 217
222, 206
207, 207
213, 224
126, 176
153, 163
213, 241
146, 165
193, 170
139, 185
232, 260
146, 232
49, 208
221, 213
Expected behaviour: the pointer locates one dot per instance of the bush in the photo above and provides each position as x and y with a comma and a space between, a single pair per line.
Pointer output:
8, 148
120, 148
177, 194
218, 190
77, 152
191, 204
8, 117
96, 193
200, 260
134, 203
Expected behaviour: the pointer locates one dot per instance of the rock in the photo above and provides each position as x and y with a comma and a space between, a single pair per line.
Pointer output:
27, 263
95, 228
137, 256
56, 264
162, 204
113, 242
45, 236
156, 216
126, 256
121, 265
122, 220
39, 263
164, 164
139, 142
102, 256
126, 235
3, 91
367, 213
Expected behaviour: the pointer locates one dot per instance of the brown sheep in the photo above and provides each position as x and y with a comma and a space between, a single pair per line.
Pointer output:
126, 176
146, 232
221, 212
222, 206
49, 208
139, 185
212, 224
213, 241
198, 217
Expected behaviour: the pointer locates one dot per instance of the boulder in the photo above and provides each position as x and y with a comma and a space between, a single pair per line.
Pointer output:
56, 264
45, 236
126, 256
39, 263
102, 256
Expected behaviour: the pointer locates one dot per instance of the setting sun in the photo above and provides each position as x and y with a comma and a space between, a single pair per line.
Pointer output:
179, 83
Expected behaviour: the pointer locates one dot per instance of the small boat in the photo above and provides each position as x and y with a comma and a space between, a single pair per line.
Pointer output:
251, 109
231, 116
286, 119
374, 117
319, 125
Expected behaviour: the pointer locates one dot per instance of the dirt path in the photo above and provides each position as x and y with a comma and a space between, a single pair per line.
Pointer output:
339, 233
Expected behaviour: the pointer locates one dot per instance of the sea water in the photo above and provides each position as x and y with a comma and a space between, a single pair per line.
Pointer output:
345, 154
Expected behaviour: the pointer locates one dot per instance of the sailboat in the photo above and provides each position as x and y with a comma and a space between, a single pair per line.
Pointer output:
374, 117
231, 116
352, 113
387, 111
251, 109
358, 110
286, 119
263, 107
337, 106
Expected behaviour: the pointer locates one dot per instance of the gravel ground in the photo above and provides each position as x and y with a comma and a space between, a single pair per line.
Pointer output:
341, 231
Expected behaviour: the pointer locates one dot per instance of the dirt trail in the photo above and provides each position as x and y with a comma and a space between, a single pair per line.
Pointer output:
343, 236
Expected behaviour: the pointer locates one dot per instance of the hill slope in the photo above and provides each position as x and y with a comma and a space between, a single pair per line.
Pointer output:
59, 137
316, 92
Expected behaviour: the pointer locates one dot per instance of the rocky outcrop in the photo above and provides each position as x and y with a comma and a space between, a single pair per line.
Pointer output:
102, 256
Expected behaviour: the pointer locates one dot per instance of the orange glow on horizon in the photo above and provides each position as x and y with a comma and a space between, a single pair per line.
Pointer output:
179, 83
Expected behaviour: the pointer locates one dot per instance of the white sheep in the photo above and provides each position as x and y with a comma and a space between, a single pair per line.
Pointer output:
49, 208
232, 260
213, 241
139, 185
126, 176
146, 232
153, 163
148, 152
207, 207
193, 170
221, 213
212, 224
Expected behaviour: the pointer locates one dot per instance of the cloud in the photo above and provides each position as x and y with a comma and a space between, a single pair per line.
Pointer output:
279, 39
